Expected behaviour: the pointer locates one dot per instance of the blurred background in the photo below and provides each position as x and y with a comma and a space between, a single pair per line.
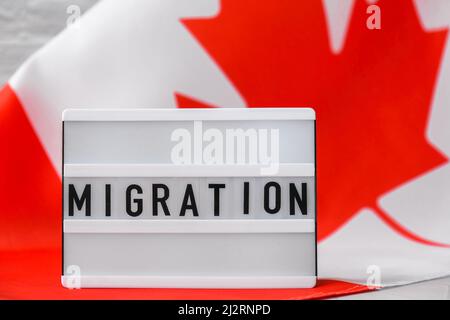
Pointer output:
26, 25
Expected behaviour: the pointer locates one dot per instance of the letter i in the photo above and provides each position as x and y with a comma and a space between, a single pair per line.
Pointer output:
246, 196
107, 200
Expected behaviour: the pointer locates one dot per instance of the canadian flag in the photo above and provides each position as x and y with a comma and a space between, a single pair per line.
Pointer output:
382, 98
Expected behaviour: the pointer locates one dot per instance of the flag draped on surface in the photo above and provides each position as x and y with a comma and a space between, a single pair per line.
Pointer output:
382, 99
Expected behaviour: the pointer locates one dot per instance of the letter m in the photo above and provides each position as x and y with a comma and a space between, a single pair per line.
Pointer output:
79, 202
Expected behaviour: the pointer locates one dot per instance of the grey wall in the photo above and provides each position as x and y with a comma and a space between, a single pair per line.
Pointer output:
25, 25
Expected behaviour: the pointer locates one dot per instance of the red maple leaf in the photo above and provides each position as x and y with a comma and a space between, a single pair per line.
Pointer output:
372, 100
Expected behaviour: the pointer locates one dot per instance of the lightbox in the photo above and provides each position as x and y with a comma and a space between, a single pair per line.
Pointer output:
189, 198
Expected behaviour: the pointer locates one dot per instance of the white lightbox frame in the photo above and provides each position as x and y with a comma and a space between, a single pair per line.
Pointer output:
205, 228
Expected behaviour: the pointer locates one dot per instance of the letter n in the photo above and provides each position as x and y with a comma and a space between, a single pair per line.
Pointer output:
294, 198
